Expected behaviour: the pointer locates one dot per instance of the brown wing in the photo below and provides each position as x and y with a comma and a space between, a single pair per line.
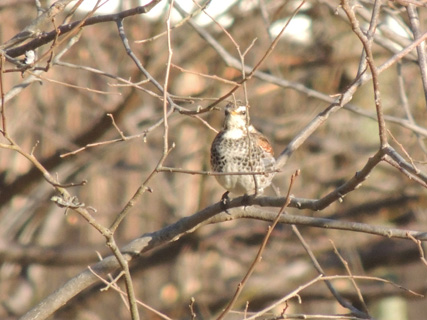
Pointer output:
263, 142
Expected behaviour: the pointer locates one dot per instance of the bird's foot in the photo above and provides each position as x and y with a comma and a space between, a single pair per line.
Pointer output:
225, 201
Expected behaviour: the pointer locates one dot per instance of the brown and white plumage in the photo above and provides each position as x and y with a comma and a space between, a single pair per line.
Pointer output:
239, 147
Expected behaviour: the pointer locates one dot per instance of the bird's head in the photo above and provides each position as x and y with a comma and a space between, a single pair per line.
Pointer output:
236, 117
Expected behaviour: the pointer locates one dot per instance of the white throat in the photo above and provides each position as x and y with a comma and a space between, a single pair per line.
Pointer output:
235, 133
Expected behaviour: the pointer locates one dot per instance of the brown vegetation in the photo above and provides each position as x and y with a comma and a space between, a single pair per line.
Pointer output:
115, 133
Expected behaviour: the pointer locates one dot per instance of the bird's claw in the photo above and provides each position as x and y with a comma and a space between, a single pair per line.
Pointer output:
225, 201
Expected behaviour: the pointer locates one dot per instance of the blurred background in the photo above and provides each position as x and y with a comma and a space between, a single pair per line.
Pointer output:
64, 108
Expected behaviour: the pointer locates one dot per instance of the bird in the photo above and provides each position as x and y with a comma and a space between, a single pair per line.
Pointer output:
239, 147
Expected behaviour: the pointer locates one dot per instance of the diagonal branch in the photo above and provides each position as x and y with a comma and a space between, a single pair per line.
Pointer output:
186, 225
63, 29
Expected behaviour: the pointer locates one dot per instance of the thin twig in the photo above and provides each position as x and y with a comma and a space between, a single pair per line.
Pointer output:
405, 104
414, 173
260, 251
251, 72
138, 63
181, 23
289, 296
420, 248
66, 84
404, 152
116, 126
111, 243
3, 128
114, 286
294, 293
213, 173
351, 277
208, 76
87, 21
367, 45
166, 113
421, 48
343, 302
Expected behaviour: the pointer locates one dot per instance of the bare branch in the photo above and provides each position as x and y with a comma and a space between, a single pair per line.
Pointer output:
421, 48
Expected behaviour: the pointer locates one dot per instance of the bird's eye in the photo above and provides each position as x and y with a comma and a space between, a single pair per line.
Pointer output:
243, 112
